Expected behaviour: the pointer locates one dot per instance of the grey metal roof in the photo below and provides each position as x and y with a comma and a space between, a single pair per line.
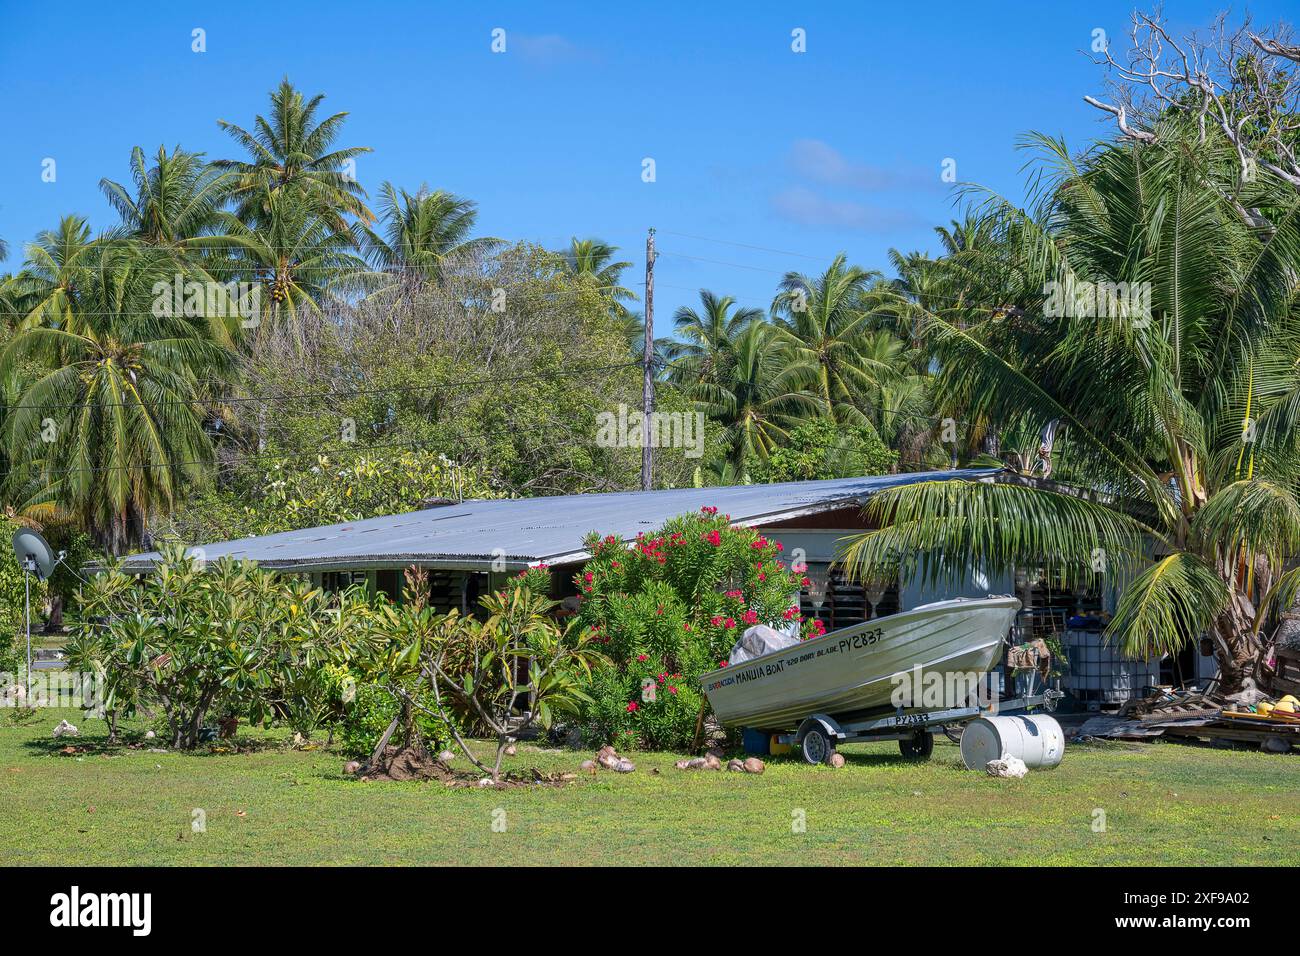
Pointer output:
527, 530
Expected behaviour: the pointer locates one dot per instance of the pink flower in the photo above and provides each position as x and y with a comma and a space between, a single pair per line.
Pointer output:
589, 577
631, 706
734, 594
672, 690
642, 657
729, 622
714, 538
722, 663
751, 617
715, 620
686, 626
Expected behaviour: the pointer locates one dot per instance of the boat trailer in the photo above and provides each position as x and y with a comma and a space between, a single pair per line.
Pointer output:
818, 734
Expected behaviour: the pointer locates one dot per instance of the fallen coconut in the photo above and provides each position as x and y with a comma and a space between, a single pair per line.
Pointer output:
753, 765
446, 755
511, 750
588, 765
736, 765
712, 763
65, 729
837, 761
352, 766
624, 766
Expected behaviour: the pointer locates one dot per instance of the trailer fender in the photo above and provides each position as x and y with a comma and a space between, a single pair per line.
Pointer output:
827, 724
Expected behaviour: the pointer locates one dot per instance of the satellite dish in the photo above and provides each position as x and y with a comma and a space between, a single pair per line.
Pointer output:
33, 552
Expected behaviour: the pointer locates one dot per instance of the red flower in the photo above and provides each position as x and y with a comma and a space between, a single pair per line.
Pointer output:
722, 663
734, 594
730, 622
686, 626
642, 657
751, 617
714, 538
631, 706
715, 620
589, 577
672, 690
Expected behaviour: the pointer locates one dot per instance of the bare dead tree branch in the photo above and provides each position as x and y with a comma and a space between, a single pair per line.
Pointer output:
1232, 80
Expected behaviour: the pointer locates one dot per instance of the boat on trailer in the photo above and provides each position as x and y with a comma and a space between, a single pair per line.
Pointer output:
854, 671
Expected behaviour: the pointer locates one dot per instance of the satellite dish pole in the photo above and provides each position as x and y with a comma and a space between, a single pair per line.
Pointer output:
35, 557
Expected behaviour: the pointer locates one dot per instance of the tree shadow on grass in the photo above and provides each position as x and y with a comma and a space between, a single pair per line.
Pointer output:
94, 745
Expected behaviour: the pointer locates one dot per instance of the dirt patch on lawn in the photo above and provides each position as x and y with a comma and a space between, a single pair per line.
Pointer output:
408, 763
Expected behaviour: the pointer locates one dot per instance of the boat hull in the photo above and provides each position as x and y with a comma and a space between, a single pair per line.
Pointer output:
853, 670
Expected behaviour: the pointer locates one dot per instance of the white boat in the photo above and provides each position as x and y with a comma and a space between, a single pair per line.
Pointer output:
852, 670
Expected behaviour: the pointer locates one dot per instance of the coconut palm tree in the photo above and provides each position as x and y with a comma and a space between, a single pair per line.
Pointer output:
595, 258
761, 393
704, 350
291, 152
172, 201
109, 428
824, 319
422, 231
303, 263
55, 265
1177, 397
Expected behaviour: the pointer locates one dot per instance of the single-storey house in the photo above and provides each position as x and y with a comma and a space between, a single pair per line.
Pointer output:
469, 547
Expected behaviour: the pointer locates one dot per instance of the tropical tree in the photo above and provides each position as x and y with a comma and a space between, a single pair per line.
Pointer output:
302, 261
172, 201
1176, 395
109, 428
704, 350
823, 318
765, 390
595, 258
421, 232
55, 265
290, 152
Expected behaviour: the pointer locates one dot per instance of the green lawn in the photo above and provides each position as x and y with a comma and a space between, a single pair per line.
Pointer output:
1164, 804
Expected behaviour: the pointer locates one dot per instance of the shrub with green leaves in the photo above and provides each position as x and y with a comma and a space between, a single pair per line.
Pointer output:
666, 609
231, 640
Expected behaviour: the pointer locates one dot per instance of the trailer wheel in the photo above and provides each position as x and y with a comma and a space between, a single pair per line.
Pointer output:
818, 745
919, 747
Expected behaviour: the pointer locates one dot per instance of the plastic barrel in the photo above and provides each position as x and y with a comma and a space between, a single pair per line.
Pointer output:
1034, 738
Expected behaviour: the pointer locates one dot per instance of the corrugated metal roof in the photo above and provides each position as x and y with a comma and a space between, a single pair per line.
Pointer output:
527, 530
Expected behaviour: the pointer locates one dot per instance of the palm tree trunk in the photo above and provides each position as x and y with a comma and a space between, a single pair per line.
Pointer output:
1236, 647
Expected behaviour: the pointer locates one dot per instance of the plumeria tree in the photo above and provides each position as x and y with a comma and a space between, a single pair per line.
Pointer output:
667, 608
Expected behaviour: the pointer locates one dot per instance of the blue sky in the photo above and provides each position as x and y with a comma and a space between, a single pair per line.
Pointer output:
837, 148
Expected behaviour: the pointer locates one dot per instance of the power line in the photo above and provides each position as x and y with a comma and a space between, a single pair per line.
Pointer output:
338, 393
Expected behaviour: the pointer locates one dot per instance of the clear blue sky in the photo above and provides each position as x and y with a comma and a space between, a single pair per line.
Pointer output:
837, 148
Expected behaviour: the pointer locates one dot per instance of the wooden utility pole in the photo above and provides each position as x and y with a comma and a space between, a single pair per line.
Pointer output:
648, 381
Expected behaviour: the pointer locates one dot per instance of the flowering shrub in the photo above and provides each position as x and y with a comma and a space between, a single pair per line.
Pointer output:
669, 607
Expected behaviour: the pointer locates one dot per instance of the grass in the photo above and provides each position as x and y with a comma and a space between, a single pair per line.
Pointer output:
1163, 803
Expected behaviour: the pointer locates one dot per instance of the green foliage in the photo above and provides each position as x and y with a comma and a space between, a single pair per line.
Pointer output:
282, 496
481, 674
668, 608
231, 640
821, 448
367, 715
